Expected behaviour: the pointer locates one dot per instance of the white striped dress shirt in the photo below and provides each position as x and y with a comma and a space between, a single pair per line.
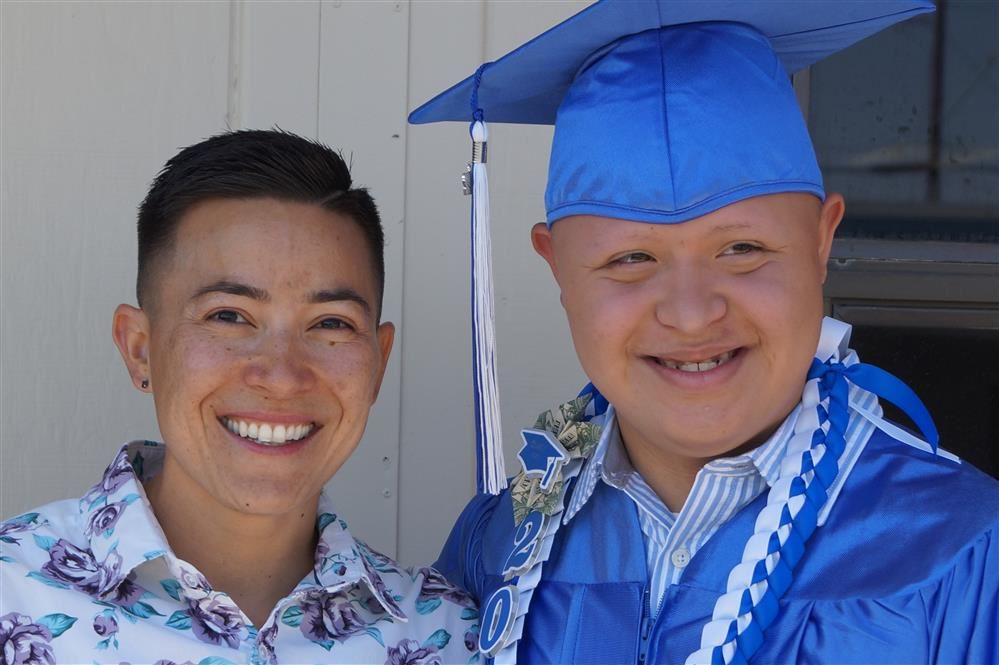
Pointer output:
721, 488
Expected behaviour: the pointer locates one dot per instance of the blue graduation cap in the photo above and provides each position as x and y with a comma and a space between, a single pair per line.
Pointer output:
664, 111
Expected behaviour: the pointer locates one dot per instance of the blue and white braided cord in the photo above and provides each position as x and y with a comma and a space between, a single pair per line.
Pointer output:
810, 467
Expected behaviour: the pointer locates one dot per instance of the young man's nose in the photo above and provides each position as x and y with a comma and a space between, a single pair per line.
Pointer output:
688, 300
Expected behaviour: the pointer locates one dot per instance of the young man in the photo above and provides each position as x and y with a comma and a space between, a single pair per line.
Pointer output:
726, 489
259, 337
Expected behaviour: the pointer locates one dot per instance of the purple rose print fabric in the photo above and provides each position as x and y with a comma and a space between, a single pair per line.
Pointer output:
436, 586
216, 620
104, 518
92, 580
23, 642
79, 569
329, 616
410, 652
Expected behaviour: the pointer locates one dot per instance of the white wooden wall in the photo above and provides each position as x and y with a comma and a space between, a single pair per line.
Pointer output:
97, 95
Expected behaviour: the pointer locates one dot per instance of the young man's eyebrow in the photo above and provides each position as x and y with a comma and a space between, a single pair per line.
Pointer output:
234, 289
734, 226
334, 295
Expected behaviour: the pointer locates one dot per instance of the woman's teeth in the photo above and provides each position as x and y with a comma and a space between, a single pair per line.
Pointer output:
700, 366
267, 434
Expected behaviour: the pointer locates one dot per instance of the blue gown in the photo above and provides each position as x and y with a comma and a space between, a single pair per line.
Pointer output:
905, 570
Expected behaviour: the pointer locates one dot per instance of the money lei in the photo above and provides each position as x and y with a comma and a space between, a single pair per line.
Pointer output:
579, 437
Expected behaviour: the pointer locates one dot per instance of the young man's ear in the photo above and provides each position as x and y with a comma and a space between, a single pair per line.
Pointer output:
130, 330
541, 238
830, 215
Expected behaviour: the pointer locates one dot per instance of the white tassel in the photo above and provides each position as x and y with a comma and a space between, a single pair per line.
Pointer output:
492, 472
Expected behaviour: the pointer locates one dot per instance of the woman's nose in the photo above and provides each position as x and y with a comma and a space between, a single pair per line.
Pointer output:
280, 366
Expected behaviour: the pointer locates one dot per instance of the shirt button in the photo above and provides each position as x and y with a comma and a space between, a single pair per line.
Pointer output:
680, 557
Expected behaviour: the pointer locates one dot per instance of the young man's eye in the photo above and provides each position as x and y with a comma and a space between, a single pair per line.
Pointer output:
632, 258
741, 248
227, 316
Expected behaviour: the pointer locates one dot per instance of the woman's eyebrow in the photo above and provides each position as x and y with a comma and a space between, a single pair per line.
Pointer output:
234, 289
336, 295
255, 293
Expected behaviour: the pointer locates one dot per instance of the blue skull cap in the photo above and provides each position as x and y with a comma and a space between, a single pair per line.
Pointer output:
665, 110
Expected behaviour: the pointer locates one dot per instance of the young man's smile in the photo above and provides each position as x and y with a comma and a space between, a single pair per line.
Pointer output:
695, 362
696, 369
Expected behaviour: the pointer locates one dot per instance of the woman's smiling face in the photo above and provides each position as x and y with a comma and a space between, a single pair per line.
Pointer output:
699, 333
263, 350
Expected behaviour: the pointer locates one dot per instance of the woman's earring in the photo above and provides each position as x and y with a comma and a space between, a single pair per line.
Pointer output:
145, 384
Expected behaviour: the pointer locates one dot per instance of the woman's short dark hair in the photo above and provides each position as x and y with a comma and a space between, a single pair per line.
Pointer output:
249, 164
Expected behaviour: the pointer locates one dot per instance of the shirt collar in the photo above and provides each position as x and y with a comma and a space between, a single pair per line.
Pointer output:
610, 463
767, 458
593, 469
116, 517
341, 560
123, 533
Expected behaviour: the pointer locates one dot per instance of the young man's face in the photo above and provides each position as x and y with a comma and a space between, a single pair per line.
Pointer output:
700, 333
263, 319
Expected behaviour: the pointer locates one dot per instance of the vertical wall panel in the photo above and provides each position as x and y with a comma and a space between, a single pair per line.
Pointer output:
437, 472
95, 96
277, 68
537, 365
362, 112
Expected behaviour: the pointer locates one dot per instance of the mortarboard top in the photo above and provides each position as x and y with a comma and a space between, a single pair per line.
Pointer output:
526, 85
668, 109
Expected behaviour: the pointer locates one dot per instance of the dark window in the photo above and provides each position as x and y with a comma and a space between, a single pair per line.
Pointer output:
906, 126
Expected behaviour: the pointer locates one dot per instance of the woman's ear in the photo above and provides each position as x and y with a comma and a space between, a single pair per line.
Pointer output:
386, 336
130, 330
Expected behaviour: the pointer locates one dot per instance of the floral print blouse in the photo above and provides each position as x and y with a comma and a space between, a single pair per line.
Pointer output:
94, 581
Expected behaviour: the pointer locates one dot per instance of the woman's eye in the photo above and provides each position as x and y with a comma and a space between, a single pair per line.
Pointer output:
632, 258
741, 248
227, 316
334, 324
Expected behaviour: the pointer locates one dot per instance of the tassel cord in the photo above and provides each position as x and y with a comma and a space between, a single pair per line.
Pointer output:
490, 473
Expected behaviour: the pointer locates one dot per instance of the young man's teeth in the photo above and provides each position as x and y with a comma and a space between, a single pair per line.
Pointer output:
268, 434
702, 366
